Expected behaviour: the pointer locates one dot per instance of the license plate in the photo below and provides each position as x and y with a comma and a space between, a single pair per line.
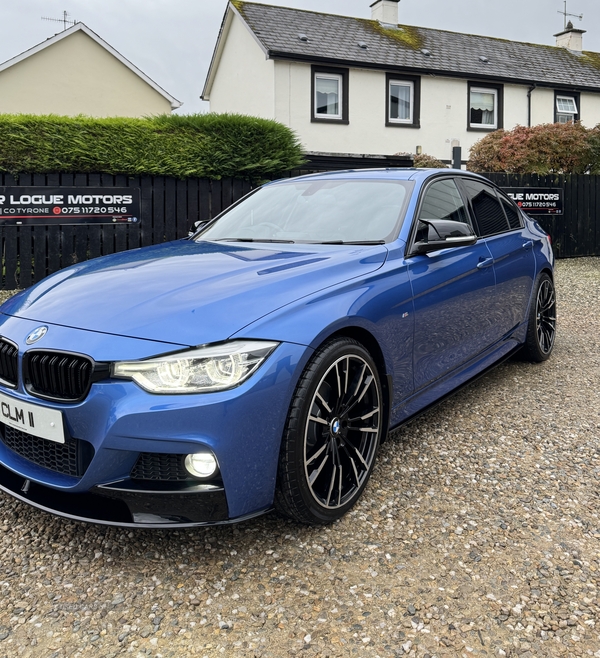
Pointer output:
32, 419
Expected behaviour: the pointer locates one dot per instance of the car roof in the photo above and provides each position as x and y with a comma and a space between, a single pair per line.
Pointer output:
389, 173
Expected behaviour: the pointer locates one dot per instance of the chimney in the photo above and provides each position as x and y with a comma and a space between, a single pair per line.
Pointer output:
385, 11
571, 39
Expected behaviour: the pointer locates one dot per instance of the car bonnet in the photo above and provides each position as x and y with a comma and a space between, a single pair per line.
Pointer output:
189, 293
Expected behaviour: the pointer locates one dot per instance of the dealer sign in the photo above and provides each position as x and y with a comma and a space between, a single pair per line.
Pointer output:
537, 200
35, 206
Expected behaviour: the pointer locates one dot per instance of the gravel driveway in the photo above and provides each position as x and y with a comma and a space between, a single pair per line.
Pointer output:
477, 536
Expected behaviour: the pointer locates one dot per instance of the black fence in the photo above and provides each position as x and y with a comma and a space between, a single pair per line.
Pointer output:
169, 208
577, 231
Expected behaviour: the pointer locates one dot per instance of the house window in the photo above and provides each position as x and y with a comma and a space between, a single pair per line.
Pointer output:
485, 107
330, 95
566, 108
403, 100
328, 102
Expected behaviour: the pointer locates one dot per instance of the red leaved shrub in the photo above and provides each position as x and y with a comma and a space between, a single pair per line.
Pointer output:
548, 148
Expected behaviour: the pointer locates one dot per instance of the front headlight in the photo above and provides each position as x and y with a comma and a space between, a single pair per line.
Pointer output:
202, 370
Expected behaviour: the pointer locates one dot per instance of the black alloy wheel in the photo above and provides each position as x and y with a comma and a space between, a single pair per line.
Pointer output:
541, 330
332, 435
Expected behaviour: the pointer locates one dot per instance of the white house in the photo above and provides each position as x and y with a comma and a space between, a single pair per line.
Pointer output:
77, 72
352, 85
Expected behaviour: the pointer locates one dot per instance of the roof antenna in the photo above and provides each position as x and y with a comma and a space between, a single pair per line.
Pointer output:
64, 20
565, 14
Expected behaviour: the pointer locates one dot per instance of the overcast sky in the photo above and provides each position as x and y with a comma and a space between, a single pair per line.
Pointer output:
172, 41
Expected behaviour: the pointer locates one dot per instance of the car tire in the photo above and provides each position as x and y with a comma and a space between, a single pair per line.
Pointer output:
332, 434
541, 327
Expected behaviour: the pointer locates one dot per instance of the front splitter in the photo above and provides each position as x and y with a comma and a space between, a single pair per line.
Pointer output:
128, 508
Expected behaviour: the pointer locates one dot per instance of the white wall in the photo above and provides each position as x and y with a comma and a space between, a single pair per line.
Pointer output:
515, 106
542, 106
245, 78
444, 103
590, 110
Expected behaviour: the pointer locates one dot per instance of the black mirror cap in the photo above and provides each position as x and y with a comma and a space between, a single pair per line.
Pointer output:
420, 248
441, 229
444, 234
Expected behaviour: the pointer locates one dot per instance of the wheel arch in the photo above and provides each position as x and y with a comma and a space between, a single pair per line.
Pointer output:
545, 269
370, 343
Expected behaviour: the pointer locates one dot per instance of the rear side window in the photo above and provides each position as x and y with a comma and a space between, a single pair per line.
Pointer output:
488, 212
514, 220
442, 200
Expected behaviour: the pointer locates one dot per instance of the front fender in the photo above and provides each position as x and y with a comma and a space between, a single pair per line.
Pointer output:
381, 304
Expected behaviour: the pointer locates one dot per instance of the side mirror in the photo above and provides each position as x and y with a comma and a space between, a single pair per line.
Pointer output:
438, 234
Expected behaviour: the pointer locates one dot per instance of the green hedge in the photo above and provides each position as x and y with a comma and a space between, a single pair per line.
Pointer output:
202, 145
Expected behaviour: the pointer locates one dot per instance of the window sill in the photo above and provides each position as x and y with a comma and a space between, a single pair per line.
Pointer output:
343, 122
393, 124
482, 129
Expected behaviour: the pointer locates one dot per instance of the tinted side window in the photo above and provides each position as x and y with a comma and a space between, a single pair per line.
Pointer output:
488, 212
514, 219
442, 200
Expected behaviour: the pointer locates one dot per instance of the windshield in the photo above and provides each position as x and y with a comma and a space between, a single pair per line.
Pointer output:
340, 211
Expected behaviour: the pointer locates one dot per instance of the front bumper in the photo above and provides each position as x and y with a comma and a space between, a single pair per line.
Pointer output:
242, 427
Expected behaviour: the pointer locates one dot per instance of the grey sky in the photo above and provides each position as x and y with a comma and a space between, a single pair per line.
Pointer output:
172, 40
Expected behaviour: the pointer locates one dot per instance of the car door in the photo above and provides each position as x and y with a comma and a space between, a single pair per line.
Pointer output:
499, 224
453, 290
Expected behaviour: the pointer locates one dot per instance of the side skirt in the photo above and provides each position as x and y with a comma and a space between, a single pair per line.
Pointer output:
426, 400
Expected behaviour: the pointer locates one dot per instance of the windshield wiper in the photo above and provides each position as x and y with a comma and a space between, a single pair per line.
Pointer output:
252, 240
359, 242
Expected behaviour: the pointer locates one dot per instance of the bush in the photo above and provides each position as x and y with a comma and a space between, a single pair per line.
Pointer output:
202, 145
594, 144
424, 161
544, 149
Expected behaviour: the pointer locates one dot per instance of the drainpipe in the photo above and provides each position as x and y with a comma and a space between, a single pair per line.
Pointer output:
533, 86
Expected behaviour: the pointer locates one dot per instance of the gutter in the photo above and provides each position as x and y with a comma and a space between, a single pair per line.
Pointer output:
533, 86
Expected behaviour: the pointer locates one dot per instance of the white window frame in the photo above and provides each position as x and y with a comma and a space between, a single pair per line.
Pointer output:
340, 81
484, 90
568, 115
411, 86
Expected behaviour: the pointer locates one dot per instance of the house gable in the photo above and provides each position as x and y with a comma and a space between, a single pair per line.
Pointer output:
76, 72
245, 80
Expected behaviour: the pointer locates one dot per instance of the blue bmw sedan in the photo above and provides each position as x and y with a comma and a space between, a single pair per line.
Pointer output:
260, 363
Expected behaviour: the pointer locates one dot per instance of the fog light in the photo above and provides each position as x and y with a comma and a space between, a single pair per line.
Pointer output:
201, 465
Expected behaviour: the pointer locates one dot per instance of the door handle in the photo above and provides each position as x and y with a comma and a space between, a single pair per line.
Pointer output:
528, 244
486, 262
